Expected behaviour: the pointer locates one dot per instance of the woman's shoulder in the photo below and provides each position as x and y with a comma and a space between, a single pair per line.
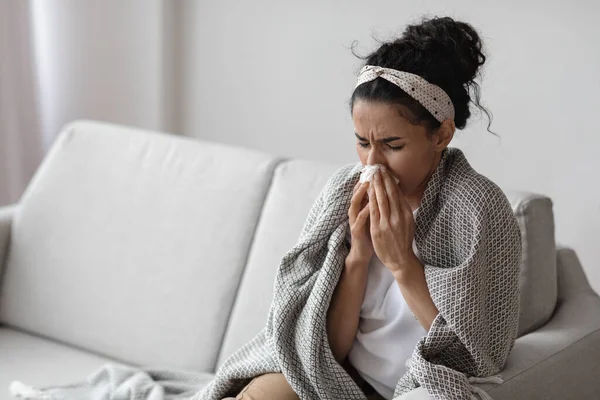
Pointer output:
473, 190
478, 187
472, 203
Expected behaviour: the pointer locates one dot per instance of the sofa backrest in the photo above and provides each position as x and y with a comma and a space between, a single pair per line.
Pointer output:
296, 185
538, 281
132, 243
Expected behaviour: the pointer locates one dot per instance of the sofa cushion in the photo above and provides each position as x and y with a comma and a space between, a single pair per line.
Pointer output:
131, 243
40, 362
295, 187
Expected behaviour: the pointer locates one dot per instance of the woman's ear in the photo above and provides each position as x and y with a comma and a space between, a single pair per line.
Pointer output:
444, 134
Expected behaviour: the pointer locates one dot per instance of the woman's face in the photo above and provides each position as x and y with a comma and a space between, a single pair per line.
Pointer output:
405, 149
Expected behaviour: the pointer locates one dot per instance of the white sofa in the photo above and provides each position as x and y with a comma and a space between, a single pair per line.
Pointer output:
146, 248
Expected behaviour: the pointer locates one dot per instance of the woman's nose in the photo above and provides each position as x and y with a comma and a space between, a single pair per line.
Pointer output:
375, 158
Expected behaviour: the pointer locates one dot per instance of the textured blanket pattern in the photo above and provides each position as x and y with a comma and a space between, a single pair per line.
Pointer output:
470, 244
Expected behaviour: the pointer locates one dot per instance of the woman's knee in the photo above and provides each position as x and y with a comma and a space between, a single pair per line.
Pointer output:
271, 386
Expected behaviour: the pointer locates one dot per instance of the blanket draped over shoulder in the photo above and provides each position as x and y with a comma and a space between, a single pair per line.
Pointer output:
470, 244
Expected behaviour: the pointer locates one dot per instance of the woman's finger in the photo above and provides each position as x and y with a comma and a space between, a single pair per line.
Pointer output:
363, 215
392, 193
356, 186
382, 197
356, 202
373, 207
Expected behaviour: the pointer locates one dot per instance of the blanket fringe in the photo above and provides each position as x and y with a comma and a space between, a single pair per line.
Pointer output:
479, 392
22, 391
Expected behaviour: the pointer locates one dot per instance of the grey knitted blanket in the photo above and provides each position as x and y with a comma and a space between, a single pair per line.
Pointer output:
470, 243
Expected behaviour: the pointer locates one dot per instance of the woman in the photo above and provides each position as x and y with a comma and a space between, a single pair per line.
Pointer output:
422, 303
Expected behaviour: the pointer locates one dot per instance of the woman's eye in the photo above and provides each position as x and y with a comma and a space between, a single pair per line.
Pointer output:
391, 147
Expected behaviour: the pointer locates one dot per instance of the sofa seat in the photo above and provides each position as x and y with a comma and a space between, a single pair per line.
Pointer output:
38, 361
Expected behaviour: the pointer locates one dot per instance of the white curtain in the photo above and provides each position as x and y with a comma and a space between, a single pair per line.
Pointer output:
20, 126
64, 60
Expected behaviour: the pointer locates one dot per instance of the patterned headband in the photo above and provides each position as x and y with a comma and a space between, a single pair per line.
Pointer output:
430, 96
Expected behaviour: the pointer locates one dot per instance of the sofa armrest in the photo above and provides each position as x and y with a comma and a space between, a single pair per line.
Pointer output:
560, 359
6, 216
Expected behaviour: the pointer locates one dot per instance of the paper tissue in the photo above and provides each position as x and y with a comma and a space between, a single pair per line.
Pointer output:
368, 172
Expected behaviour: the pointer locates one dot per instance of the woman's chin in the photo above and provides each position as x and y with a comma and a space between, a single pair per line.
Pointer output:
406, 191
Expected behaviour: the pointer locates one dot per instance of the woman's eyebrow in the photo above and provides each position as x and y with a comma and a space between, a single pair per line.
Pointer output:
384, 140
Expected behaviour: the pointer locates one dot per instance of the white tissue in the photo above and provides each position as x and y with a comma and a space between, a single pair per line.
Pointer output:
369, 170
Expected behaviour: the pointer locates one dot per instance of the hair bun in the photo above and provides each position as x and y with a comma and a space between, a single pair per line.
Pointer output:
444, 52
452, 43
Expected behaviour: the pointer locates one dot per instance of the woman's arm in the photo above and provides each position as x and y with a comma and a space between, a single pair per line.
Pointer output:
413, 285
344, 310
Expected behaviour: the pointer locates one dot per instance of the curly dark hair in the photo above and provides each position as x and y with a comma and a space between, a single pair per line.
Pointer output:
445, 52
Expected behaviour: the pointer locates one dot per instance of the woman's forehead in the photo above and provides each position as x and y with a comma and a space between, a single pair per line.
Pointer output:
380, 120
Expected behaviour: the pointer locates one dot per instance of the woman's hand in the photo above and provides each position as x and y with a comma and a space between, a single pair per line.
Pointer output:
392, 225
343, 314
361, 248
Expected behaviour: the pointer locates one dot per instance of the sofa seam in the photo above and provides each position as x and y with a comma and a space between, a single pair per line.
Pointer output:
276, 163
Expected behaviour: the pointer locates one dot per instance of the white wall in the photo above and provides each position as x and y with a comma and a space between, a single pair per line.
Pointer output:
276, 76
105, 60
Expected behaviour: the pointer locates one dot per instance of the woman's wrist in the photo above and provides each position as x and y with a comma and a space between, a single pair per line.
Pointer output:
356, 261
356, 270
406, 269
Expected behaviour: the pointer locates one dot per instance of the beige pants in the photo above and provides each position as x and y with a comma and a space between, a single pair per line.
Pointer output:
274, 386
